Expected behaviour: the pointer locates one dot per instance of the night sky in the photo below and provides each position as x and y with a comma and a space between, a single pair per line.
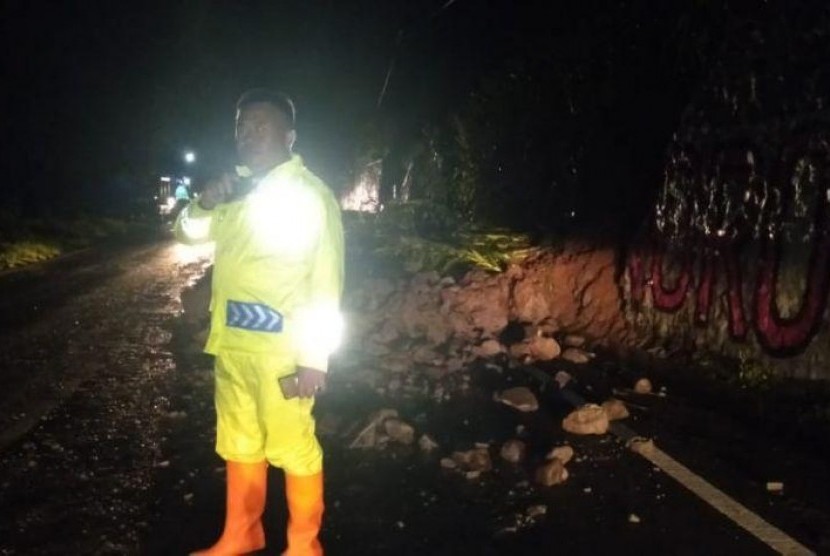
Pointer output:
104, 90
103, 97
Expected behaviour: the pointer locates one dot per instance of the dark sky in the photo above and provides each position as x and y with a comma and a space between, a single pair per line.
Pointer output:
103, 96
99, 89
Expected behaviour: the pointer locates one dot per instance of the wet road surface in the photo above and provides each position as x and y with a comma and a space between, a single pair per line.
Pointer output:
107, 444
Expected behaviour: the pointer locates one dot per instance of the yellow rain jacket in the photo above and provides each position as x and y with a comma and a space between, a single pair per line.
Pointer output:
278, 270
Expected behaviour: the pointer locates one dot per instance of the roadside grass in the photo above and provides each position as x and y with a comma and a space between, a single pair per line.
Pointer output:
417, 237
28, 241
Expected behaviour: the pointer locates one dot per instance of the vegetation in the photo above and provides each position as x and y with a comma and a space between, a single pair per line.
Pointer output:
27, 241
421, 236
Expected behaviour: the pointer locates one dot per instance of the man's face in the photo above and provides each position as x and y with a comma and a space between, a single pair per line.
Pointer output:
263, 136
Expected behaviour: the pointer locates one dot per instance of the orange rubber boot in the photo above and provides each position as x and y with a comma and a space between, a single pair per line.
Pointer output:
246, 489
305, 514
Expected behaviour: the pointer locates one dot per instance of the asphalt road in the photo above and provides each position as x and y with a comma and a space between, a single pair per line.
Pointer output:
107, 424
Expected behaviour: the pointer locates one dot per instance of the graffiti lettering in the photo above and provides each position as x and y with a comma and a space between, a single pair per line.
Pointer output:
728, 208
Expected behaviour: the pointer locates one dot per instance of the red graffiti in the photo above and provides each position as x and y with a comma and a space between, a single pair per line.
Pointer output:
785, 335
672, 300
725, 199
778, 335
735, 298
705, 286
734, 294
668, 299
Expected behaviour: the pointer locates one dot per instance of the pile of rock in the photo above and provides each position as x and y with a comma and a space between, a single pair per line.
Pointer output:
438, 326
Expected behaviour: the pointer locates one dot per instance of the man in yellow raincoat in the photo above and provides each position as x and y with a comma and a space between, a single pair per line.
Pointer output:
277, 281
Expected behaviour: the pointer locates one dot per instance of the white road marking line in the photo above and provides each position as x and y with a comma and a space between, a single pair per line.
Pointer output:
767, 533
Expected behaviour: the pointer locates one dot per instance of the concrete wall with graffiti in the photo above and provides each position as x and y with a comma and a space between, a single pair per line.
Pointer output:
737, 256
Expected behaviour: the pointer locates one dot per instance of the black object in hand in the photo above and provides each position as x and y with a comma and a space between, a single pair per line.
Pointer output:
290, 386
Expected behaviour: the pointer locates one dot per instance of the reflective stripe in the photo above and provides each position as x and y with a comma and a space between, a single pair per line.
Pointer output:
253, 316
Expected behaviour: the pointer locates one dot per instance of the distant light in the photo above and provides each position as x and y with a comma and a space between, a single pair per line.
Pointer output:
165, 178
190, 157
186, 180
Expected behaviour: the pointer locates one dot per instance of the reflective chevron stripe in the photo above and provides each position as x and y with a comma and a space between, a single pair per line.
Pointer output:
253, 316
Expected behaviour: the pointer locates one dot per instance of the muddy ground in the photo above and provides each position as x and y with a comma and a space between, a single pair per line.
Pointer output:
106, 442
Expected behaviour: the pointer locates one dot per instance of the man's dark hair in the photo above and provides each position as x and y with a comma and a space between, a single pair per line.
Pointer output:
278, 100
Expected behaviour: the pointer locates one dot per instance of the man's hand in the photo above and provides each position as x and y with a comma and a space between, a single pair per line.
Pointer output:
310, 381
216, 191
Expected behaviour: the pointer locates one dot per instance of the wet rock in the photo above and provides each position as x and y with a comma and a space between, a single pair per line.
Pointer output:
551, 473
615, 409
544, 349
573, 340
488, 348
575, 355
562, 453
776, 487
368, 435
513, 451
588, 419
477, 459
536, 511
448, 463
562, 379
643, 386
426, 443
520, 398
399, 431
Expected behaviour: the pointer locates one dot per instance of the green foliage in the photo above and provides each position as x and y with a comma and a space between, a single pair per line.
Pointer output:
27, 241
754, 373
466, 173
420, 236
26, 252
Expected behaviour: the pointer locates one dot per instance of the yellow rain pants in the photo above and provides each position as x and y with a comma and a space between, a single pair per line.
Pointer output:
277, 281
254, 422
